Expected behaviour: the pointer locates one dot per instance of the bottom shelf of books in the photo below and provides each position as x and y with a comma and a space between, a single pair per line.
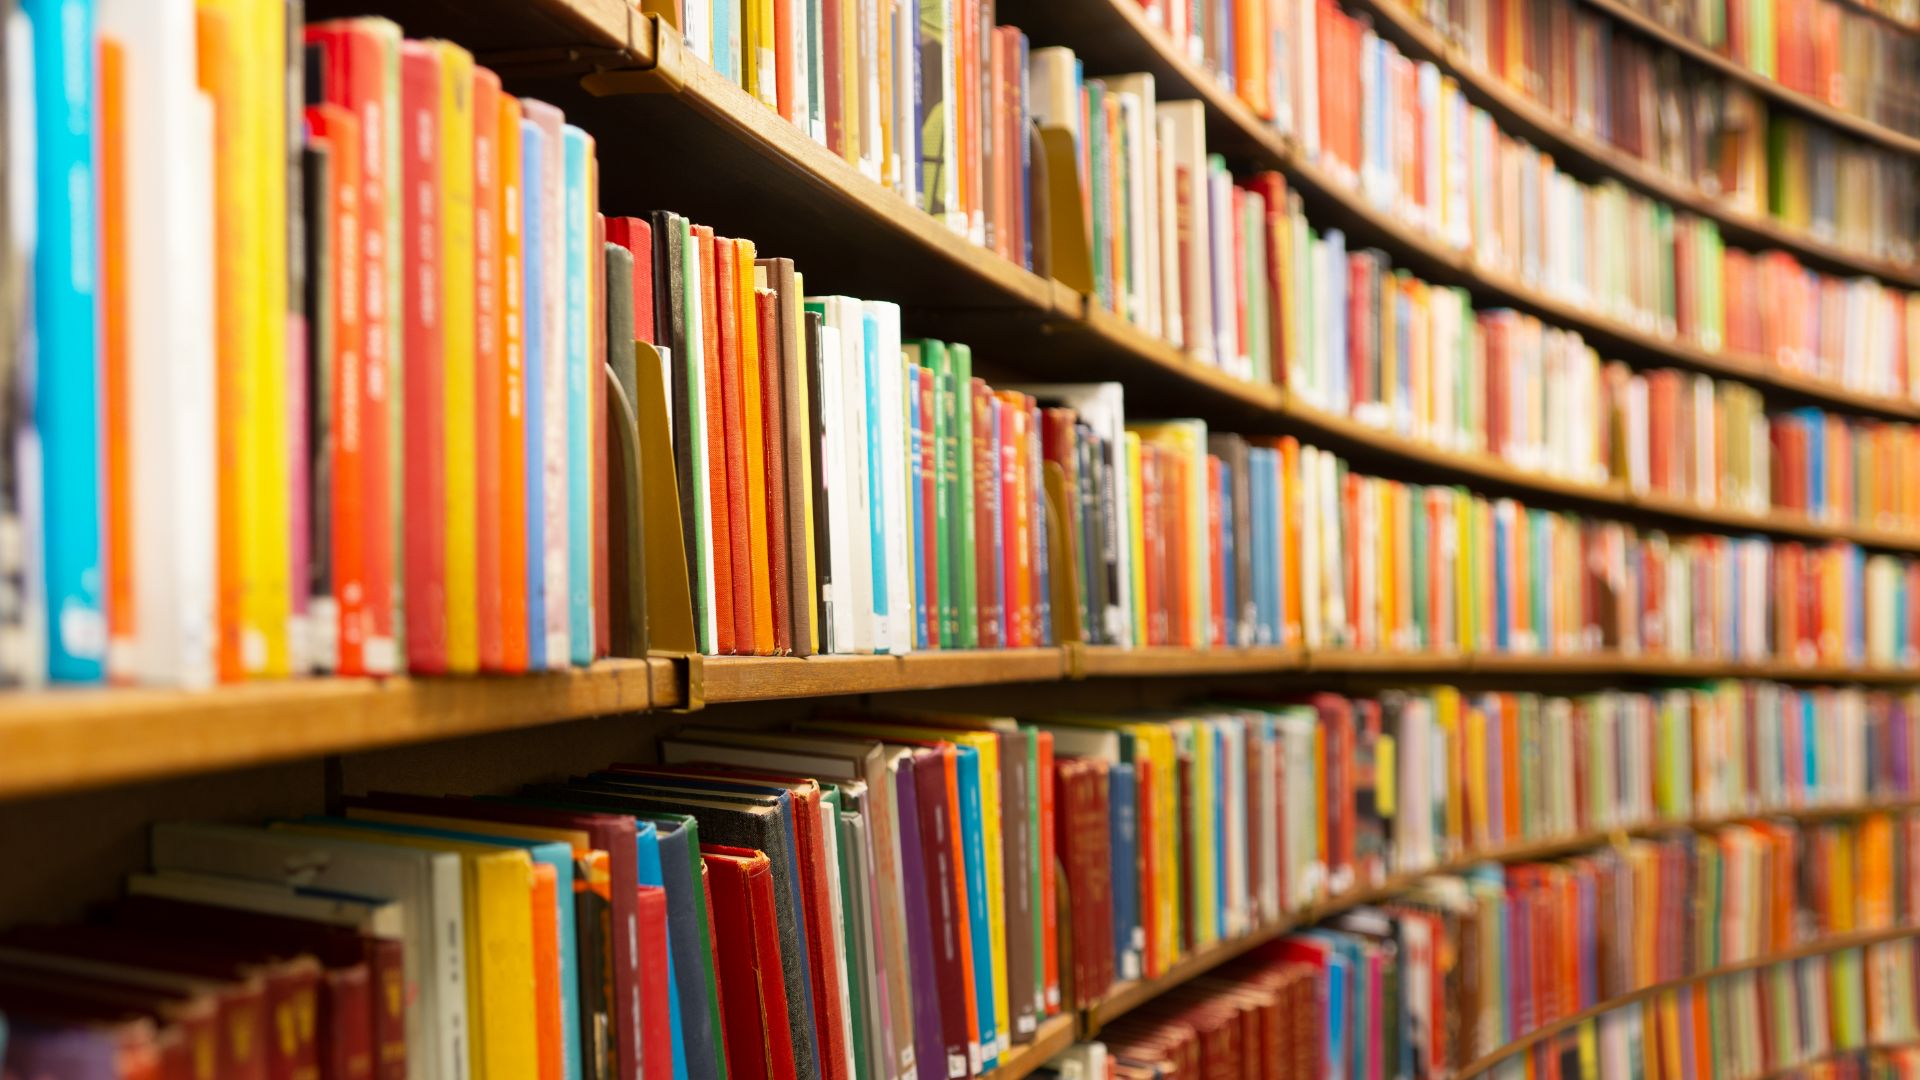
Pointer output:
1422, 883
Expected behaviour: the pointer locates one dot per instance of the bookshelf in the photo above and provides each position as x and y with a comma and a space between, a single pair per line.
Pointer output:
620, 72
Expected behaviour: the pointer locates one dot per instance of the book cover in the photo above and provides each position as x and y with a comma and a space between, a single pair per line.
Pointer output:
489, 370
454, 158
581, 259
422, 86
516, 557
550, 200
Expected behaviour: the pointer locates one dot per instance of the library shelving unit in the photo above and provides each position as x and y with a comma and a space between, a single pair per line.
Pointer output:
668, 125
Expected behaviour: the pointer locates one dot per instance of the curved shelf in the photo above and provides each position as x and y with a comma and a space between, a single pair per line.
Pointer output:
1831, 944
1543, 128
1129, 996
69, 740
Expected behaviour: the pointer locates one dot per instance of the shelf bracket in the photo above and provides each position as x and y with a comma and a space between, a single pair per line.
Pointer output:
666, 74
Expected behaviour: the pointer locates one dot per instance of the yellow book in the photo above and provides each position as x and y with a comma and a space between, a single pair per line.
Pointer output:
1137, 539
751, 418
760, 76
1446, 715
248, 93
497, 886
1475, 722
457, 326
1206, 835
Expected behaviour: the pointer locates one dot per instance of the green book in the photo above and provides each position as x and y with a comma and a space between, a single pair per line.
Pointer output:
1417, 560
935, 356
960, 426
1259, 320
1097, 149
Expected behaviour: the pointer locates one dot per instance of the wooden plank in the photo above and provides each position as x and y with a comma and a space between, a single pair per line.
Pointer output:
1052, 1039
1111, 661
59, 740
749, 678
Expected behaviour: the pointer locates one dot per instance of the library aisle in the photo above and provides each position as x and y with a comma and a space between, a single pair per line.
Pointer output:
952, 539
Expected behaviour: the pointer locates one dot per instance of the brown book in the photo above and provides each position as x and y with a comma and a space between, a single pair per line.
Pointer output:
794, 394
1017, 800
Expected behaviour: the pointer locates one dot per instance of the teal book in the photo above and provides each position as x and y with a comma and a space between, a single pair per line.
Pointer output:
677, 836
876, 486
973, 846
966, 570
578, 157
64, 407
549, 853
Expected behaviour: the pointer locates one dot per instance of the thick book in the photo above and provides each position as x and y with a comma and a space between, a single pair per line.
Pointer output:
425, 372
749, 955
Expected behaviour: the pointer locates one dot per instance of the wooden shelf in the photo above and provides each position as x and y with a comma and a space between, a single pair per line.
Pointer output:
1831, 944
1126, 997
59, 740
750, 678
1053, 1038
1520, 114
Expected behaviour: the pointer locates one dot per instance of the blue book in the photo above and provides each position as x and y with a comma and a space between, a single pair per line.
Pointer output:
651, 871
1121, 820
876, 482
549, 853
726, 41
1221, 765
1339, 993
916, 479
1229, 577
1502, 556
1333, 360
579, 361
973, 847
65, 406
697, 1039
532, 150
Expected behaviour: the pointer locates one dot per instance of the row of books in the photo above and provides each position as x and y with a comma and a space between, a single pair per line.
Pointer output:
928, 97
1826, 50
862, 896
398, 461
1310, 552
1233, 272
1400, 354
1373, 994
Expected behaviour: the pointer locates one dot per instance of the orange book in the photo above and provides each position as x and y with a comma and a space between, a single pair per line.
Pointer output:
950, 761
1020, 583
511, 400
220, 76
1289, 500
756, 452
717, 479
549, 1028
341, 131
1250, 57
489, 363
117, 435
1510, 766
733, 430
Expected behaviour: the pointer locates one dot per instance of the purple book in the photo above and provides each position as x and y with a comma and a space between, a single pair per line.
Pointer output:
929, 1051
67, 1053
940, 908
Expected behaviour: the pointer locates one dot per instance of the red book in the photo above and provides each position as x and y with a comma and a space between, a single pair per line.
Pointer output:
831, 67
341, 131
426, 503
346, 1015
726, 286
1049, 886
746, 945
636, 235
1011, 425
718, 475
656, 1018
354, 58
773, 426
489, 371
980, 400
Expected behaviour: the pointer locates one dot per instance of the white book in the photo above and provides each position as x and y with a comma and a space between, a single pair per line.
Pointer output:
898, 633
1167, 238
170, 357
371, 916
1226, 324
906, 121
709, 629
697, 21
835, 478
427, 885
553, 376
847, 315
